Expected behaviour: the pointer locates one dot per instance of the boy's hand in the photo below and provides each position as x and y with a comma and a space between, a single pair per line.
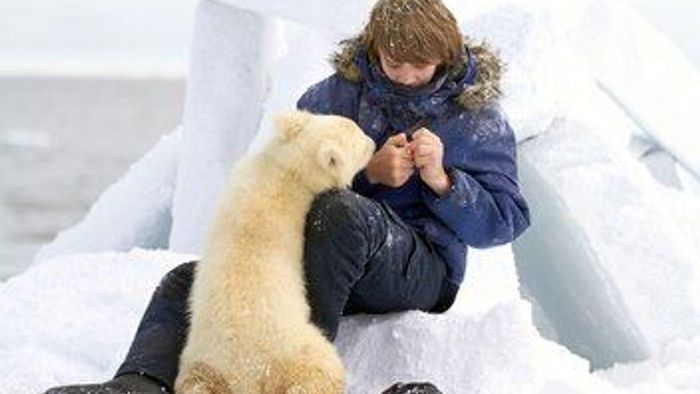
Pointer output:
428, 151
391, 165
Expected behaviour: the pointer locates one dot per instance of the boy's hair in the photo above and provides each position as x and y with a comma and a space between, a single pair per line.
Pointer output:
413, 31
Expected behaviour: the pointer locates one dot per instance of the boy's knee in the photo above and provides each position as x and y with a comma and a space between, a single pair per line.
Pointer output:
340, 210
178, 281
341, 223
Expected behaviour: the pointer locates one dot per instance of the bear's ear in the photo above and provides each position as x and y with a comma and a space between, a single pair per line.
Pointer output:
330, 157
290, 124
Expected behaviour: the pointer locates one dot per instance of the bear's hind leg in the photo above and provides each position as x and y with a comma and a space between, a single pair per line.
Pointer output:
310, 372
200, 378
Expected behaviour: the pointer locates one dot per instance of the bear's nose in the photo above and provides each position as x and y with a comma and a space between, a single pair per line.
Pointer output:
370, 149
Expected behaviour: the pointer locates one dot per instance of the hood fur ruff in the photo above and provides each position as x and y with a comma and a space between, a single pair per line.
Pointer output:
485, 90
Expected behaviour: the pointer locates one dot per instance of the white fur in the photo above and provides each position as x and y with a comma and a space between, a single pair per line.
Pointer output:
250, 330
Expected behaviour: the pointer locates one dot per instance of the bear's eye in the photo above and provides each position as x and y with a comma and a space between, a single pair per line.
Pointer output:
331, 162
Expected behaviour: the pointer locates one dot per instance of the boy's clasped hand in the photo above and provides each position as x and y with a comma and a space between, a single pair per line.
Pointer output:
395, 162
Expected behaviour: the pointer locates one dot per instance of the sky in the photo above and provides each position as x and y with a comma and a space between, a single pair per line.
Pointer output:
151, 37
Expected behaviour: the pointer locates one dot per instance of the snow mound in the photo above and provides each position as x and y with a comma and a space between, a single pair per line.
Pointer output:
676, 370
73, 317
611, 275
486, 343
653, 81
498, 352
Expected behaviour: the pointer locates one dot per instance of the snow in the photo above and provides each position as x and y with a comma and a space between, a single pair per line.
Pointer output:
525, 36
494, 347
675, 371
613, 274
339, 18
664, 105
232, 54
298, 69
73, 316
498, 352
605, 280
64, 324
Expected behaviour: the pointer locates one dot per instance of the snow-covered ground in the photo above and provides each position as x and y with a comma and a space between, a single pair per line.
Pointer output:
602, 294
85, 308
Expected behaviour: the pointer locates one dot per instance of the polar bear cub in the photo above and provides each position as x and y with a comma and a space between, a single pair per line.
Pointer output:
250, 330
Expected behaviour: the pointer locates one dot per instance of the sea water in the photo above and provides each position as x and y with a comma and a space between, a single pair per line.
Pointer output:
62, 142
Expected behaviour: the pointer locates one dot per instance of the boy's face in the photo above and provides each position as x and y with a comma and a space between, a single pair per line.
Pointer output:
407, 74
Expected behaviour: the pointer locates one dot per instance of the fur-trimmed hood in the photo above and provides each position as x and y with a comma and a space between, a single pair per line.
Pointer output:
485, 88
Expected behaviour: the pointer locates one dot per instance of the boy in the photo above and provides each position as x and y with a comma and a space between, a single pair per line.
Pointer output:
443, 178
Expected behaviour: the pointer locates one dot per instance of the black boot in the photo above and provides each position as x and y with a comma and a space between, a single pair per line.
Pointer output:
123, 384
412, 388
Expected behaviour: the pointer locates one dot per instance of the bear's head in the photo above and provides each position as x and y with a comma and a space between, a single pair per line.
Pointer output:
322, 151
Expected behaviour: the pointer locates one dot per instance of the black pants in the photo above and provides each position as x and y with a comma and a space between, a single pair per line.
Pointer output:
359, 257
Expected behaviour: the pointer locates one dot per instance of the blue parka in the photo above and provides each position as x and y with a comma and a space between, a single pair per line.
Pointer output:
484, 207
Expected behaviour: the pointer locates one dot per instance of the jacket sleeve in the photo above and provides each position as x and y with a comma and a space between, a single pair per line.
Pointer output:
484, 207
